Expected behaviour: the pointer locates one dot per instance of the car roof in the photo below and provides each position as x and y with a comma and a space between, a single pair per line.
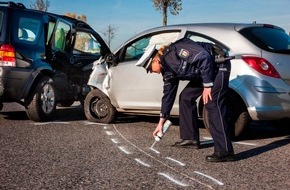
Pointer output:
215, 30
204, 27
21, 7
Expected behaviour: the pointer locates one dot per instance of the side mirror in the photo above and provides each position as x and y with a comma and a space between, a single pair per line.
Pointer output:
111, 59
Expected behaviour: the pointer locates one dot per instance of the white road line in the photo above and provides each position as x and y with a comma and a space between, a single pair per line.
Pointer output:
176, 161
141, 162
209, 177
174, 180
116, 141
123, 149
242, 143
53, 122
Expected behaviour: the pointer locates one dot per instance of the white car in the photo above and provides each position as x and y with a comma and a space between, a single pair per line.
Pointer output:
259, 81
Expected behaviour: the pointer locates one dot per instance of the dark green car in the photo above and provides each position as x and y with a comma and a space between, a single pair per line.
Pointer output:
45, 59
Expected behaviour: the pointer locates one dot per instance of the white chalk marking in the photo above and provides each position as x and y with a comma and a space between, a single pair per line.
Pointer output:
174, 180
53, 122
110, 133
107, 127
162, 162
156, 151
153, 144
124, 150
209, 177
116, 141
141, 162
176, 161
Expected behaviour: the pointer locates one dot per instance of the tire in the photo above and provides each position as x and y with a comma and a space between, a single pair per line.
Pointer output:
238, 116
98, 108
42, 104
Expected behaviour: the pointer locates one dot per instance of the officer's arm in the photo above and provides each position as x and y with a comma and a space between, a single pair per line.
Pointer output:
207, 72
169, 93
206, 67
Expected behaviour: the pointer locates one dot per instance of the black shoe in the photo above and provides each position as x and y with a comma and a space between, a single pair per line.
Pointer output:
187, 144
222, 157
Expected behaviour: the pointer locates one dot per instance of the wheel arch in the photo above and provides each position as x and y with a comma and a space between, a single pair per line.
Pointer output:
33, 81
238, 116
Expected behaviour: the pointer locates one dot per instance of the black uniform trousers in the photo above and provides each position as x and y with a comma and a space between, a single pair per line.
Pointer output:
218, 123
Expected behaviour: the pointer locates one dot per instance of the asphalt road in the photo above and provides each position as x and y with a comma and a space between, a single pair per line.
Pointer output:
72, 153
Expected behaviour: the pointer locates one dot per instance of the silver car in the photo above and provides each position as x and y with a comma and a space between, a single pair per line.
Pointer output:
259, 81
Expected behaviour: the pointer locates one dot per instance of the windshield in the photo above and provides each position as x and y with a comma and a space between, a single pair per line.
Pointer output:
268, 38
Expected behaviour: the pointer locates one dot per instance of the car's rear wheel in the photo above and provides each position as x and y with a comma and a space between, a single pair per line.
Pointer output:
41, 106
98, 108
238, 115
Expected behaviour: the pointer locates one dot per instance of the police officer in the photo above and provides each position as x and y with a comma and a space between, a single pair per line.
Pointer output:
193, 61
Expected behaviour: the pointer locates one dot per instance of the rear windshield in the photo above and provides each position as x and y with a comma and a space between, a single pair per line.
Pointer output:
268, 38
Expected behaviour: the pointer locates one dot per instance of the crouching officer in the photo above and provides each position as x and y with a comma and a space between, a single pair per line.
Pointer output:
193, 61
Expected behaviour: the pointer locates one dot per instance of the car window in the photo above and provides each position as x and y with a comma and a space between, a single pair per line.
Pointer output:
61, 36
86, 43
197, 38
268, 38
136, 49
50, 31
28, 29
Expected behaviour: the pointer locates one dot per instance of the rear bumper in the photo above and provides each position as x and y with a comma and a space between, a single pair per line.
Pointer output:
267, 101
13, 82
269, 113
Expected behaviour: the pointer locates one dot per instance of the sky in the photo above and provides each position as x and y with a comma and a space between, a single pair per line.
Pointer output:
133, 16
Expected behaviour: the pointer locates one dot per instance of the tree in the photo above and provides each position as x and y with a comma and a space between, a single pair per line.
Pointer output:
40, 5
174, 7
110, 32
80, 17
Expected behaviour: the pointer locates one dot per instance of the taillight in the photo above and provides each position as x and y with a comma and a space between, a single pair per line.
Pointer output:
7, 55
261, 65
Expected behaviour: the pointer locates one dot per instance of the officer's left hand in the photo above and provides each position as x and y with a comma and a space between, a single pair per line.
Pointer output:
206, 95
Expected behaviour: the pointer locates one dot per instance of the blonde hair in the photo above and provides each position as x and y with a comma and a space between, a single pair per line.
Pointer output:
160, 52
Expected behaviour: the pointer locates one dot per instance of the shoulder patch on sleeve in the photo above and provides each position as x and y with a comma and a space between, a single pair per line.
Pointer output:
183, 53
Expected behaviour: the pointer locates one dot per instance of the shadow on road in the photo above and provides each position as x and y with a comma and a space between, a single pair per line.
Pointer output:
266, 129
73, 113
263, 149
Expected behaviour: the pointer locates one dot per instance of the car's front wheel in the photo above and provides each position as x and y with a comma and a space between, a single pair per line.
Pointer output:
238, 116
42, 101
98, 108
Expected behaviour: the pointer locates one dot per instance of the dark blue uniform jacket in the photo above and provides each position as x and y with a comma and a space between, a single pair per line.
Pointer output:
184, 60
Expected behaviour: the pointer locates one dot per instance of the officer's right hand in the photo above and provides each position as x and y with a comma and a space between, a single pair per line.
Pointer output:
157, 130
206, 95
159, 127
